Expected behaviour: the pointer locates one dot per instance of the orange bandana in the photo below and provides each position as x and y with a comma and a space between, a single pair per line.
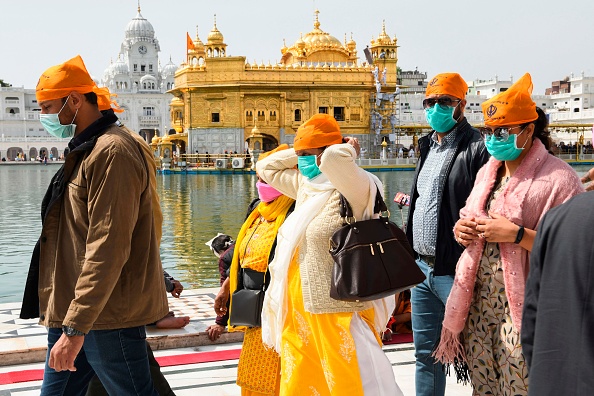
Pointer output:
58, 81
276, 150
447, 84
511, 107
321, 130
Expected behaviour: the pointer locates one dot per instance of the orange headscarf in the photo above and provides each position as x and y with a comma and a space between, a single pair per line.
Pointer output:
447, 84
58, 81
514, 106
279, 148
321, 130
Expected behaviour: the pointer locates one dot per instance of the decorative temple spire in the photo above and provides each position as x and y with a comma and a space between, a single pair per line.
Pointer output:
316, 22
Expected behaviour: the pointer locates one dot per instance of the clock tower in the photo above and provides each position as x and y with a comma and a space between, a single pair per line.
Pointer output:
139, 80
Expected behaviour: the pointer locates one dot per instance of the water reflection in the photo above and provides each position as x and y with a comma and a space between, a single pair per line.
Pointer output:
195, 208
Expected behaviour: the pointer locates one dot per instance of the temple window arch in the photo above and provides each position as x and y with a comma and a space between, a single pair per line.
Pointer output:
261, 116
249, 116
273, 115
297, 115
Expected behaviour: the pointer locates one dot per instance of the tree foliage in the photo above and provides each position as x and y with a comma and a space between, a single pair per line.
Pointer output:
4, 84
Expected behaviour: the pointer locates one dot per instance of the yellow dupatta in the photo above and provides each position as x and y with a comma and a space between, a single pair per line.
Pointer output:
271, 211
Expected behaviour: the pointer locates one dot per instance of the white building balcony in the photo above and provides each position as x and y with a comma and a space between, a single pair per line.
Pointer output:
149, 121
10, 116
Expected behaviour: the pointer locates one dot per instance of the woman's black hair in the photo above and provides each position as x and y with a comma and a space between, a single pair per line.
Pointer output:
541, 129
221, 243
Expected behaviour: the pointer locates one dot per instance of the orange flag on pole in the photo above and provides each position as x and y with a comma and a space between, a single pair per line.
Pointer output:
190, 42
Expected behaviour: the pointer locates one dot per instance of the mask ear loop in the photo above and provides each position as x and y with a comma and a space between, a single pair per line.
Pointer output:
521, 132
461, 113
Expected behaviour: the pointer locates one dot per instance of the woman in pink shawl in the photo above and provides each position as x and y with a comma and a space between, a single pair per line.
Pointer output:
519, 184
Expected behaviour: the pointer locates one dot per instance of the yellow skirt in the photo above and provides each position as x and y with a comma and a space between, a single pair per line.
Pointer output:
318, 351
258, 371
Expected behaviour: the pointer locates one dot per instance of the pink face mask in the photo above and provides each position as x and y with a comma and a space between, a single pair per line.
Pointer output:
266, 192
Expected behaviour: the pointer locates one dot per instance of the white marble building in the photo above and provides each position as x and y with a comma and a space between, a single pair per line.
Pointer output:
140, 81
20, 129
136, 76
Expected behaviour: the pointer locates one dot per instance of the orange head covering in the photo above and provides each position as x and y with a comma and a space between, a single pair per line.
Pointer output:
321, 130
514, 106
58, 81
276, 150
447, 84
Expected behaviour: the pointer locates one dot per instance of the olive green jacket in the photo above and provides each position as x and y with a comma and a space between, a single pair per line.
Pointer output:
99, 265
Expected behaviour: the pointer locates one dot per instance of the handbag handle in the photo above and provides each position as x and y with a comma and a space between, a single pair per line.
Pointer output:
347, 212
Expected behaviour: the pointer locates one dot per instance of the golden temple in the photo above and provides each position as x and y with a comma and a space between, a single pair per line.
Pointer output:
221, 102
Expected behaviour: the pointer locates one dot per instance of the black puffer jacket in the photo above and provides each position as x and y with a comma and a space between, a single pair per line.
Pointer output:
458, 175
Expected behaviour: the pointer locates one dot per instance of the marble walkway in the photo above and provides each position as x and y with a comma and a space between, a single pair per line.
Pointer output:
195, 365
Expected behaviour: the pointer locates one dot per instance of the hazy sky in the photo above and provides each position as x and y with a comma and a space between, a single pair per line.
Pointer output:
477, 38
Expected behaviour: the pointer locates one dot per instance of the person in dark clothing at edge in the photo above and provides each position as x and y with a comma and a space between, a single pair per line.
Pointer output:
450, 157
95, 278
558, 317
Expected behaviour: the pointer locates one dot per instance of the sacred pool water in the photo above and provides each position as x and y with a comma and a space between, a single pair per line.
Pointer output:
195, 208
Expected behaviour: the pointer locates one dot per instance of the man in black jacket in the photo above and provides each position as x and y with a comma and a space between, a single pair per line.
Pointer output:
450, 157
558, 318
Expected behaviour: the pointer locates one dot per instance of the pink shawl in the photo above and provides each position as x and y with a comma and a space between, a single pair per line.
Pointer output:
540, 183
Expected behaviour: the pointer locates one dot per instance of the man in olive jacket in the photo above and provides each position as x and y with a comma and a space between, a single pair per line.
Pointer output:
95, 278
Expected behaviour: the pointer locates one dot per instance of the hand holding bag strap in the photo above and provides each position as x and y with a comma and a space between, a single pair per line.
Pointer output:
347, 212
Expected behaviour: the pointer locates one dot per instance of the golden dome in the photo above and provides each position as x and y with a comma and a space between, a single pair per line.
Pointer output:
300, 43
317, 38
383, 38
255, 132
155, 139
166, 139
176, 102
351, 45
215, 36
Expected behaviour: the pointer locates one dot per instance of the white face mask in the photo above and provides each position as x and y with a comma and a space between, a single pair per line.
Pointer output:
51, 123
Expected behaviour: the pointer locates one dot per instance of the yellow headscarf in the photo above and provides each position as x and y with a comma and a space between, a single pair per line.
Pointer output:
272, 211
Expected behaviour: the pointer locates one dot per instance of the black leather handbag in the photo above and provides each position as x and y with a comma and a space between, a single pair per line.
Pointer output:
248, 298
372, 258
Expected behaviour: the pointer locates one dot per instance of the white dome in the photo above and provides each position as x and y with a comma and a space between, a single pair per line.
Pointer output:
119, 67
147, 78
169, 69
139, 27
108, 72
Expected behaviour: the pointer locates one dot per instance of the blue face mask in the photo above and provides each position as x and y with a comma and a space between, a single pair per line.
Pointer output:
504, 150
51, 123
308, 166
441, 119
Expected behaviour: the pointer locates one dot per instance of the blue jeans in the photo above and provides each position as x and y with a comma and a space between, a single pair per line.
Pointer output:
118, 357
428, 301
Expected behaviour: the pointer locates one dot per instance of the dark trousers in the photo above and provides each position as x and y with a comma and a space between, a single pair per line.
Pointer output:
118, 357
161, 385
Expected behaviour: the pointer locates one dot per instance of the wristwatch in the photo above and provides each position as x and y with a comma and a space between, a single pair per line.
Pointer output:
519, 235
70, 331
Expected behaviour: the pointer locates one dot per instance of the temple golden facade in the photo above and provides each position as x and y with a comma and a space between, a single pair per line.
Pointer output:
221, 102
